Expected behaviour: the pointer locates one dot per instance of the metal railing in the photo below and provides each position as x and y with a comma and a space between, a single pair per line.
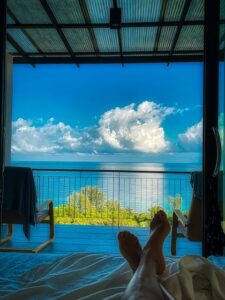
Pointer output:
120, 197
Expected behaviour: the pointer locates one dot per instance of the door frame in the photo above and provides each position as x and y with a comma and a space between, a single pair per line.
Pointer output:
3, 8
212, 238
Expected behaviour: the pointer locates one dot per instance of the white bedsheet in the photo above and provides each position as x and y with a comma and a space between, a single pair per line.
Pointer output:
77, 276
196, 279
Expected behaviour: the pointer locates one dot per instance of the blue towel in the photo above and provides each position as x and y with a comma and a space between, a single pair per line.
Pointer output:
197, 184
20, 195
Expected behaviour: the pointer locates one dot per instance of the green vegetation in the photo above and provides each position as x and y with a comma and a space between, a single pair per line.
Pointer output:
90, 207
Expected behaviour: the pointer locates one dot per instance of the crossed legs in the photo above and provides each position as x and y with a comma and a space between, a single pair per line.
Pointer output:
147, 263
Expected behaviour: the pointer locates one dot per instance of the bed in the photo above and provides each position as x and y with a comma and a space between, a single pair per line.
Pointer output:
76, 276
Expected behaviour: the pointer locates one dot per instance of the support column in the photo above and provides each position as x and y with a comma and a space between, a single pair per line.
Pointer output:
211, 239
3, 4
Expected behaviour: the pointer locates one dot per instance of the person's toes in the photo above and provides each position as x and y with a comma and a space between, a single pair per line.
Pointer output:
155, 222
127, 238
122, 235
162, 215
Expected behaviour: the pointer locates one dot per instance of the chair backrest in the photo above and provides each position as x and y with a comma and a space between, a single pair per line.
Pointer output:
19, 197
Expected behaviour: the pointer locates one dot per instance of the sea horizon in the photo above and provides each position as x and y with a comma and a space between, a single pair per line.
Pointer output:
129, 166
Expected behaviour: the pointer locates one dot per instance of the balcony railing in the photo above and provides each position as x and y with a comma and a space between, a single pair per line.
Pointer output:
112, 197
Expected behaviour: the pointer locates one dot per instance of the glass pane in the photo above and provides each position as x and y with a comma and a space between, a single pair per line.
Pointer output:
221, 121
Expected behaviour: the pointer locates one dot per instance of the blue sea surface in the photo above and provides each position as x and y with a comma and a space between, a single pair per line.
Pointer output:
131, 166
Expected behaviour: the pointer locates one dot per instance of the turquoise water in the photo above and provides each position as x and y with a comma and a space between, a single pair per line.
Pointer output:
110, 166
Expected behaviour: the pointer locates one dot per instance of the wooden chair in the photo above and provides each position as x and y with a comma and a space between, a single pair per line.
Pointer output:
19, 207
189, 227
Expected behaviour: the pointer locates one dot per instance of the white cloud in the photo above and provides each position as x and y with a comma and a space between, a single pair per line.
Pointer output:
122, 129
50, 138
135, 129
191, 140
182, 110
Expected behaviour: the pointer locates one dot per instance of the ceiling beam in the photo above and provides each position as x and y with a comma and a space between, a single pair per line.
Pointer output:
3, 76
119, 35
107, 25
24, 55
181, 23
13, 17
87, 20
161, 19
110, 60
161, 52
56, 26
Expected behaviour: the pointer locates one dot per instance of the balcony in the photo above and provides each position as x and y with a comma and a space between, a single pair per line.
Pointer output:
92, 206
115, 198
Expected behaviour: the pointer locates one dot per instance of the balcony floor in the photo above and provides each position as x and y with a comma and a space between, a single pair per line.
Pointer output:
94, 239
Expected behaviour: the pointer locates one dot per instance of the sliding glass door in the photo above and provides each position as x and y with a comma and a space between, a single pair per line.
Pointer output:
221, 119
213, 141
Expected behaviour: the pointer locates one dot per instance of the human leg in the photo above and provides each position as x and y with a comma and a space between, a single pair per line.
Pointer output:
144, 283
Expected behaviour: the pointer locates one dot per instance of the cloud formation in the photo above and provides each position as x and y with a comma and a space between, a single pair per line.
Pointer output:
135, 129
132, 128
49, 138
191, 140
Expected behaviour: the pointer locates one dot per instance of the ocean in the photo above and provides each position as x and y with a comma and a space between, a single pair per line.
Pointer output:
132, 166
137, 186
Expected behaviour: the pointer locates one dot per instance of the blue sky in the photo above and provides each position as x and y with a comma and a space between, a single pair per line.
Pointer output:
144, 112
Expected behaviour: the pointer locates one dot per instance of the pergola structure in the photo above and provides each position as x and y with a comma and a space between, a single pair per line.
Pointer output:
81, 31
136, 31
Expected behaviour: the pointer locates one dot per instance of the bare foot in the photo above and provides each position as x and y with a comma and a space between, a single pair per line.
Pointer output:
160, 222
160, 228
130, 248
